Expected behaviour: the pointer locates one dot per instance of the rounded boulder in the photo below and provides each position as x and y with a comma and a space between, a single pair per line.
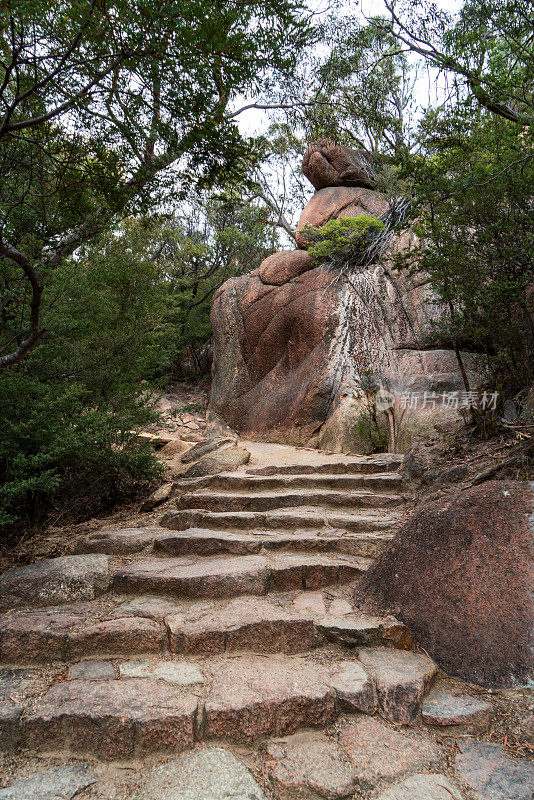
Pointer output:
459, 574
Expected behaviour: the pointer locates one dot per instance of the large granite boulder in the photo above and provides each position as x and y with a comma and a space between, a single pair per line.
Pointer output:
277, 350
291, 351
460, 574
294, 346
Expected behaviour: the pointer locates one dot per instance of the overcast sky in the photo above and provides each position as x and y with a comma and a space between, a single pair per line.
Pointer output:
428, 90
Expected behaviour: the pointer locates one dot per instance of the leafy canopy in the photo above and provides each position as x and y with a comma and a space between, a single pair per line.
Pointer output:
108, 106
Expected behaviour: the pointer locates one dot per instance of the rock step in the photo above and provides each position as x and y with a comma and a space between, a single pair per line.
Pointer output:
273, 625
267, 501
134, 717
224, 577
312, 481
65, 633
143, 625
389, 462
280, 519
205, 542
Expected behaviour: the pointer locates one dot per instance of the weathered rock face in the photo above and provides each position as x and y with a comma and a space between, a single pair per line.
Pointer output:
460, 575
277, 350
293, 343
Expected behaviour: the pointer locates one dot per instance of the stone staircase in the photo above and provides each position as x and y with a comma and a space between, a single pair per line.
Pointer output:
231, 623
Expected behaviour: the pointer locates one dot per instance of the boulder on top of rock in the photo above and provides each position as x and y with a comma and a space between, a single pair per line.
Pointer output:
292, 344
281, 267
52, 581
328, 164
335, 202
459, 574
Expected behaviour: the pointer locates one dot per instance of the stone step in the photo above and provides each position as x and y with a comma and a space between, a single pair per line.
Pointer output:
280, 519
136, 717
224, 577
112, 719
335, 482
150, 625
360, 754
387, 462
205, 542
401, 680
273, 696
165, 705
267, 501
63, 633
277, 624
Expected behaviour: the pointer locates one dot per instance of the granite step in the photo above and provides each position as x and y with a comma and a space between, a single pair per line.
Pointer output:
69, 633
267, 501
277, 624
387, 462
281, 519
137, 717
145, 625
206, 542
224, 577
160, 705
312, 481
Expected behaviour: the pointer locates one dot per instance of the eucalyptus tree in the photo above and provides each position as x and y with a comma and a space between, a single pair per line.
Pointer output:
486, 49
106, 107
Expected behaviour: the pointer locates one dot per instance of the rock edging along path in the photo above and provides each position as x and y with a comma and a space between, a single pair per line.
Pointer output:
185, 638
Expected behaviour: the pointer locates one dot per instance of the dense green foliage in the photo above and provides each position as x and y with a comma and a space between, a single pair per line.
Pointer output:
114, 110
486, 49
344, 241
107, 107
476, 196
473, 182
128, 313
71, 408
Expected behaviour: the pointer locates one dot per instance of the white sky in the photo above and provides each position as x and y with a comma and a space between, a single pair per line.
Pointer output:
428, 88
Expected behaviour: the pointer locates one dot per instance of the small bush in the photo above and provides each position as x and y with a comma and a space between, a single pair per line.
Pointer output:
343, 240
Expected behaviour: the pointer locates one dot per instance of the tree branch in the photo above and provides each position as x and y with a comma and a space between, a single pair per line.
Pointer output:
10, 252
